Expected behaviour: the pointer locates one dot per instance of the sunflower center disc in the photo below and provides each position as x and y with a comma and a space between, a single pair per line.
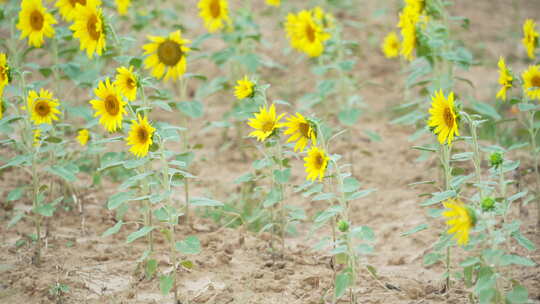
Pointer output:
36, 20
142, 135
535, 81
130, 83
319, 161
91, 26
2, 74
74, 2
310, 33
111, 105
42, 108
268, 126
304, 129
215, 8
448, 118
169, 53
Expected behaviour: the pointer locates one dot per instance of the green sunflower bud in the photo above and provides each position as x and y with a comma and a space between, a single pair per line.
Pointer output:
488, 204
496, 159
343, 226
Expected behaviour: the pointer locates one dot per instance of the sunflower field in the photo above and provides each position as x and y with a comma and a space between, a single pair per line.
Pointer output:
270, 151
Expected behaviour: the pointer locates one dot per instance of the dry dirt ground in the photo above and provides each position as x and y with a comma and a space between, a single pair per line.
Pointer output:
235, 266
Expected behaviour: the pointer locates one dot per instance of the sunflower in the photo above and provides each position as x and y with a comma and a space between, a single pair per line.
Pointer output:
167, 55
83, 137
505, 79
122, 6
305, 34
273, 2
531, 82
109, 106
460, 219
140, 136
322, 17
89, 27
67, 8
42, 108
530, 37
215, 14
443, 119
127, 82
264, 123
301, 131
35, 22
244, 88
316, 162
391, 45
37, 137
4, 72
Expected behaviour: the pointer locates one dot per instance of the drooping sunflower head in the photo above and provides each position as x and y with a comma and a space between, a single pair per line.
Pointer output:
67, 8
127, 82
245, 88
109, 105
140, 136
4, 72
316, 162
443, 118
42, 107
505, 79
273, 2
215, 14
35, 22
391, 45
300, 130
89, 27
122, 6
83, 136
265, 123
305, 33
531, 82
460, 219
530, 37
167, 56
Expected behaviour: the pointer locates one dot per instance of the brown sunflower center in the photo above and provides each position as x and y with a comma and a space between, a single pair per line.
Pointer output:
91, 27
42, 108
310, 32
268, 126
36, 20
215, 8
74, 2
535, 81
142, 134
319, 161
3, 73
304, 129
112, 105
448, 117
169, 52
130, 83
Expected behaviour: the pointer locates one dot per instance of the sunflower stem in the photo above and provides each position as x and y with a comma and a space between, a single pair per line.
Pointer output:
533, 132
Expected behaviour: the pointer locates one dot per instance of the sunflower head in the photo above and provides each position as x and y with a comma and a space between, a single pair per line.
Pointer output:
391, 45
460, 219
166, 55
265, 123
35, 22
306, 33
109, 105
140, 136
530, 37
215, 14
4, 72
83, 137
89, 27
443, 119
122, 6
273, 2
316, 162
127, 82
531, 82
505, 79
36, 137
300, 130
42, 107
245, 88
67, 8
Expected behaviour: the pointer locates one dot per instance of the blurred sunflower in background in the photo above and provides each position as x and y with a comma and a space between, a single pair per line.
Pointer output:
301, 131
391, 45
167, 55
265, 123
42, 107
530, 37
109, 106
443, 119
83, 136
531, 82
140, 136
89, 27
35, 22
122, 6
67, 8
505, 79
461, 220
316, 162
305, 33
244, 88
127, 82
215, 14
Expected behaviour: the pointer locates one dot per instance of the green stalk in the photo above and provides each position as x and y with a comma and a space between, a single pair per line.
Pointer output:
533, 132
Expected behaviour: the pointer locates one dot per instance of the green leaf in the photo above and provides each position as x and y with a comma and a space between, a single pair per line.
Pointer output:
415, 229
119, 198
17, 160
193, 109
523, 241
518, 295
349, 117
363, 233
204, 202
273, 197
139, 233
150, 268
432, 258
323, 196
343, 280
328, 213
45, 210
509, 259
15, 194
191, 245
15, 219
439, 197
470, 262
165, 284
62, 172
358, 194
350, 184
244, 178
282, 176
486, 109
114, 229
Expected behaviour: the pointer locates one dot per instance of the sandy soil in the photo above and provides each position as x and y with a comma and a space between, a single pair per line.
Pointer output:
235, 265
